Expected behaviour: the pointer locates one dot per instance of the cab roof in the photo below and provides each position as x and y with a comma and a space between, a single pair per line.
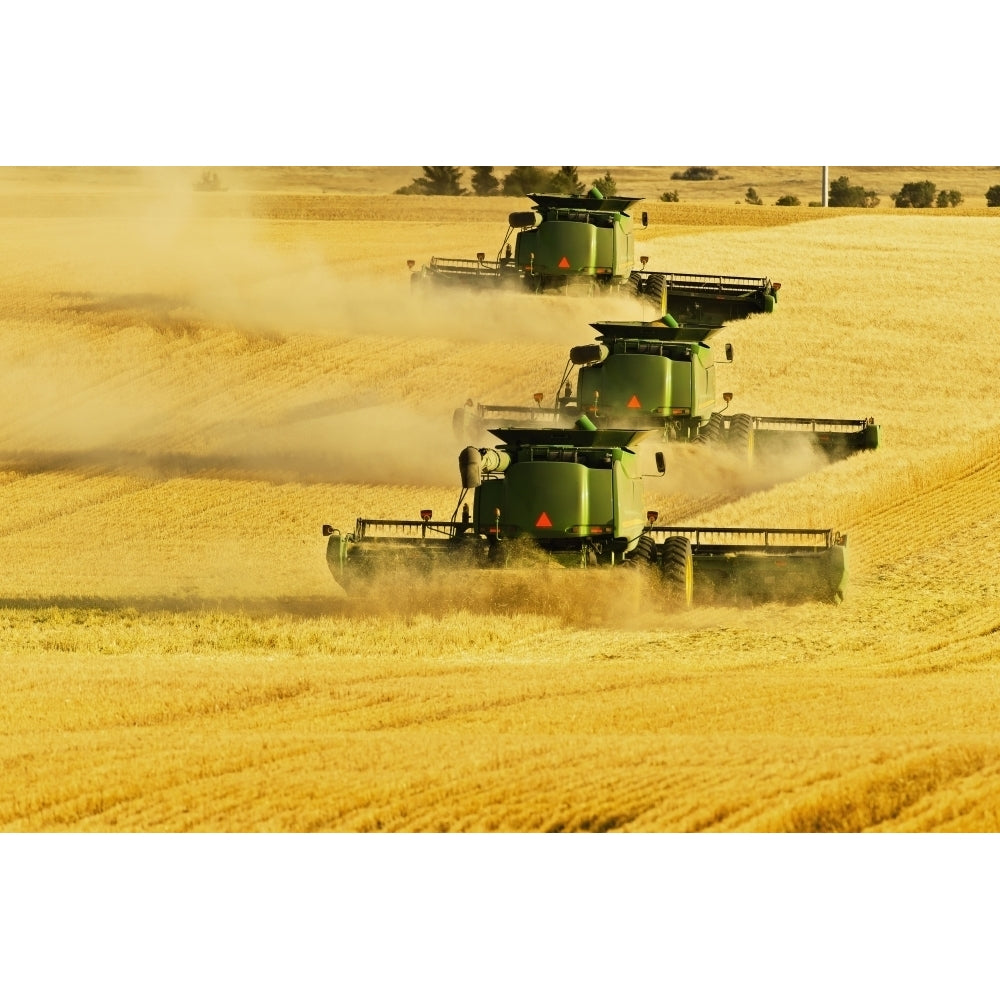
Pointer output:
604, 437
613, 204
655, 330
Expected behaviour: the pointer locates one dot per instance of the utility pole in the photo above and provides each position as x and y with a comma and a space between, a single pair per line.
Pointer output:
826, 187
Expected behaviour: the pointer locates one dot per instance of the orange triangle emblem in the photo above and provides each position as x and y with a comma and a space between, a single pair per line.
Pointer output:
564, 263
543, 521
634, 404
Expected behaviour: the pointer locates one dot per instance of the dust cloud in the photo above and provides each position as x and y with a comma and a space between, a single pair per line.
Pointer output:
699, 478
621, 596
385, 445
60, 424
156, 308
293, 276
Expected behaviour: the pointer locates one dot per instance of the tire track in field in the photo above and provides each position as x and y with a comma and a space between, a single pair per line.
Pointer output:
876, 796
38, 499
971, 645
921, 520
928, 555
969, 805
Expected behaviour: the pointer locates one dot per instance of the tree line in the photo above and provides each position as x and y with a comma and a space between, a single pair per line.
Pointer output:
519, 181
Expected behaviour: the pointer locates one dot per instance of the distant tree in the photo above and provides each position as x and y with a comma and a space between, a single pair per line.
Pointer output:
484, 181
669, 196
752, 198
525, 180
915, 194
842, 194
436, 180
993, 196
788, 199
209, 181
949, 199
695, 174
565, 181
607, 185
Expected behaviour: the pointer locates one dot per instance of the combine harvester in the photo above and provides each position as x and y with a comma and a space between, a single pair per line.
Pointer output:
586, 244
576, 494
660, 376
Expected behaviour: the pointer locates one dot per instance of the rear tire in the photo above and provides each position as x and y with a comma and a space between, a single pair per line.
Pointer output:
677, 571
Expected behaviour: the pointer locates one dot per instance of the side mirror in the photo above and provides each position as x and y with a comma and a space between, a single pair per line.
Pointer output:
645, 219
661, 465
729, 352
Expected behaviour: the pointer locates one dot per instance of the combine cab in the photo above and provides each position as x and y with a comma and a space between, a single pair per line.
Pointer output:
586, 244
576, 495
660, 376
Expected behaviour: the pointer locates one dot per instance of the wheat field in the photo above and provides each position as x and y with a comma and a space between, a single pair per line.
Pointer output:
195, 382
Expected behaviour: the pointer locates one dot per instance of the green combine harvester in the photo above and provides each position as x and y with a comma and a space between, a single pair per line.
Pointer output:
576, 494
587, 244
661, 376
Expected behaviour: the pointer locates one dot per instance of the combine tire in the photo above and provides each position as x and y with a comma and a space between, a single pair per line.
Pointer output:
655, 286
644, 551
635, 279
741, 436
714, 432
677, 570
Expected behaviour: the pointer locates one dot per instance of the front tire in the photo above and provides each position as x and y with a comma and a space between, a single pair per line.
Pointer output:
741, 436
677, 571
713, 432
644, 551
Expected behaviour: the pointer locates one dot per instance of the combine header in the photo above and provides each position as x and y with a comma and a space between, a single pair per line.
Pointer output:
576, 495
660, 376
568, 243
